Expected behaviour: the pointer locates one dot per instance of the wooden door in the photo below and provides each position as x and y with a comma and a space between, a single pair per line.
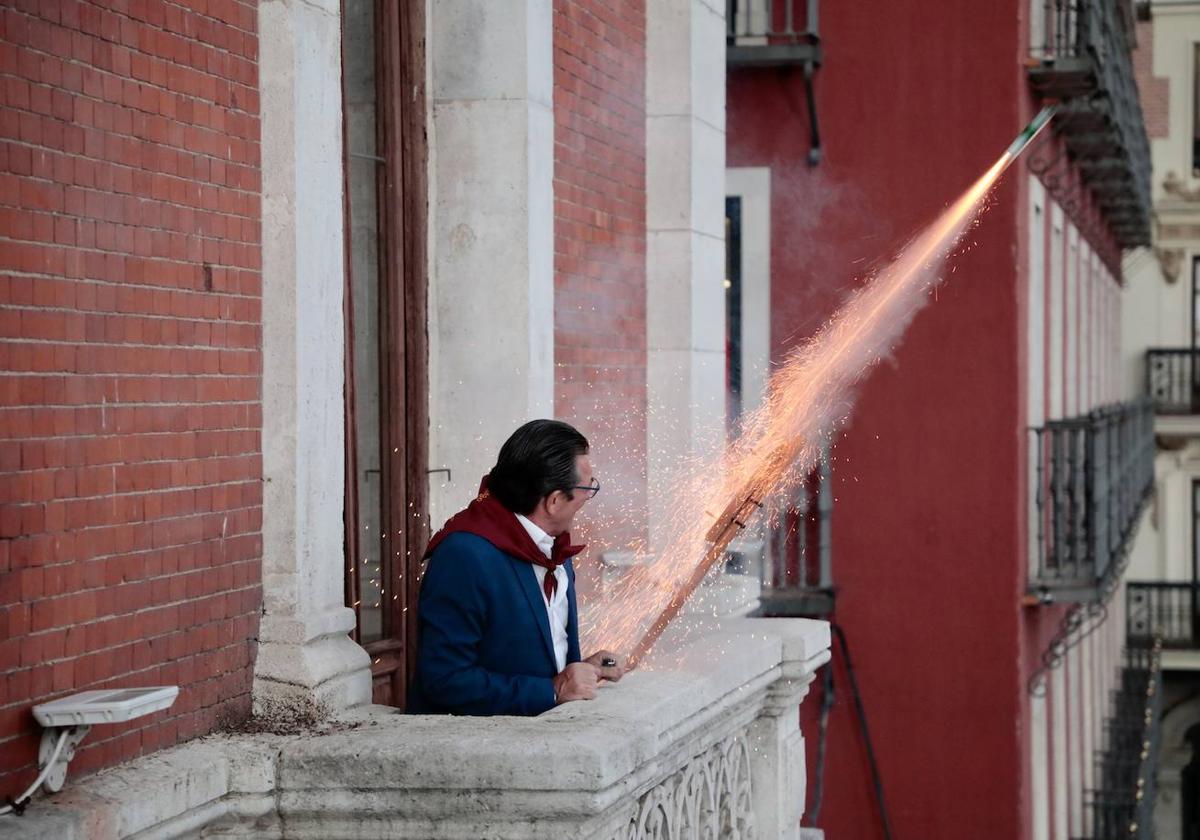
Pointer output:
386, 355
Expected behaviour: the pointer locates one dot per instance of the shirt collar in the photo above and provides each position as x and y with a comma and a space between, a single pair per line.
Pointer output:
541, 539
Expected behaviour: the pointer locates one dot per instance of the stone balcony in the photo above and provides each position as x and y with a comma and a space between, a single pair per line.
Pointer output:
704, 742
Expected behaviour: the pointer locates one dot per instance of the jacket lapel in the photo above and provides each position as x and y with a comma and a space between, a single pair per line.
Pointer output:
533, 594
573, 654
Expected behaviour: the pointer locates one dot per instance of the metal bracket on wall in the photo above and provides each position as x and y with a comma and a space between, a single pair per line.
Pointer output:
815, 153
814, 129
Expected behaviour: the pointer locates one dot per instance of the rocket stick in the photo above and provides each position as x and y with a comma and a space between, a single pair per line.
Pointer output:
734, 518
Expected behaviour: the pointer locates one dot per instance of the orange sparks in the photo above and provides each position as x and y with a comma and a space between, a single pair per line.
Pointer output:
807, 399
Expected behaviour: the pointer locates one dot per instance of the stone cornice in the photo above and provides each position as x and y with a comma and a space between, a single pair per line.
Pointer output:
1174, 185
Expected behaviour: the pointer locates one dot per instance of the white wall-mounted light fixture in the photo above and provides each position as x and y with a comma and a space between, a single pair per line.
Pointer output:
68, 720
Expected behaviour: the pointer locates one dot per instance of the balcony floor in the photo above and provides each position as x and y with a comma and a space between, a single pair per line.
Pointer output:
1181, 660
771, 55
1177, 425
1064, 78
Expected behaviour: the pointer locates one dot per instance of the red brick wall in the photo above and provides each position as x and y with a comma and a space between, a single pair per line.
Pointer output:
600, 251
130, 321
1154, 91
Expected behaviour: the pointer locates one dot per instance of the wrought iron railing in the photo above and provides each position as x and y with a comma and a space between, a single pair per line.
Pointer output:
797, 570
1082, 50
1122, 805
1056, 31
1173, 379
1093, 476
1170, 611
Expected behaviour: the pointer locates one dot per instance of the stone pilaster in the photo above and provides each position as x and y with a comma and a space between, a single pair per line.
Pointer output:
776, 743
491, 296
305, 658
685, 233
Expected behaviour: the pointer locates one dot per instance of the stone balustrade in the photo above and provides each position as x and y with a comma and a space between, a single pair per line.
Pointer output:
700, 744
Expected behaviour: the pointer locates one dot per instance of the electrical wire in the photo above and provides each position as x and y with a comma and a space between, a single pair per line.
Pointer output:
18, 805
876, 780
822, 743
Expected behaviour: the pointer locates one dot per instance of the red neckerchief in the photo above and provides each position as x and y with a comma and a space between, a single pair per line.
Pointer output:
486, 517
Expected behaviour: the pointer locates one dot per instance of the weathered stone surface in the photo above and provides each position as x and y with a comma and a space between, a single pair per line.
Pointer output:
491, 219
708, 733
304, 656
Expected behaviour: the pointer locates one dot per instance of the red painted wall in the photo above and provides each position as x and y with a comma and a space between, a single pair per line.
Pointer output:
600, 252
915, 101
130, 336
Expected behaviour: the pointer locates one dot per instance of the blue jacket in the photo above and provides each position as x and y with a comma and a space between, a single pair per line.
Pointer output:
485, 645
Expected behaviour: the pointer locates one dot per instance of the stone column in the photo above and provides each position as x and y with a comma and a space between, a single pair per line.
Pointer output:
305, 659
491, 296
685, 220
776, 745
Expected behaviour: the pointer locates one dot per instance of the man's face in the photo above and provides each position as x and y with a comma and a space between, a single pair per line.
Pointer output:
559, 509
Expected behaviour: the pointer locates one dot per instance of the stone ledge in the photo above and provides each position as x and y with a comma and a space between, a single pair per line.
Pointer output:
604, 740
166, 794
578, 768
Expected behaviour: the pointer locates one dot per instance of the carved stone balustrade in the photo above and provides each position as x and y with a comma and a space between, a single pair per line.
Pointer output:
700, 744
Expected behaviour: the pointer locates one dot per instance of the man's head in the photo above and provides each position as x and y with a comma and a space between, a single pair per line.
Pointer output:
539, 472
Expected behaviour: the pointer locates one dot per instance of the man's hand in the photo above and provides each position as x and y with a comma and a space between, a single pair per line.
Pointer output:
609, 665
576, 682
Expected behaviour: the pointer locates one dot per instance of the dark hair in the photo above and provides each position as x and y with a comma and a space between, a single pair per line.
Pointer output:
536, 460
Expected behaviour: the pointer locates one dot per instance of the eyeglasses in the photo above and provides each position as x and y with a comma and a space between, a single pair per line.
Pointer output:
592, 489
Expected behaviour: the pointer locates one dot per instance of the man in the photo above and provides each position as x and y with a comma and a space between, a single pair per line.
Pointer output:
499, 628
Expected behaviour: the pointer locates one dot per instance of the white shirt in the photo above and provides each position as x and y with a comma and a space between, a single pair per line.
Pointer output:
556, 610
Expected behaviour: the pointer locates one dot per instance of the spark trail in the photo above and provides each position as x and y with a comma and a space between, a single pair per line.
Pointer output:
806, 399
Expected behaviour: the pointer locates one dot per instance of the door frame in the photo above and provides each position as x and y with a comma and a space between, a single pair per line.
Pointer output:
404, 354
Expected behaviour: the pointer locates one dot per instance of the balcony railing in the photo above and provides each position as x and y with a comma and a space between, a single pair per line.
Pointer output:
1081, 57
718, 753
1173, 379
797, 571
1093, 477
1122, 806
1170, 611
772, 33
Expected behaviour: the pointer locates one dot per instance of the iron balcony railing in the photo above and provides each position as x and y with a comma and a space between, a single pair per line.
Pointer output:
797, 570
1093, 475
1122, 805
1081, 58
772, 33
1173, 379
1170, 611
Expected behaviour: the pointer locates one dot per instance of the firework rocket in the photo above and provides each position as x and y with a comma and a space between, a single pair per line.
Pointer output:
1037, 124
773, 465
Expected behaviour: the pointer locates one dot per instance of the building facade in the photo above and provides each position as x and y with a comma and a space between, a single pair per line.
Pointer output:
1159, 356
974, 555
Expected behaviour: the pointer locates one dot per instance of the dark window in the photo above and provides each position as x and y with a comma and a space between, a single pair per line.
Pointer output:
1196, 109
386, 428
1196, 530
733, 312
1189, 788
1196, 302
